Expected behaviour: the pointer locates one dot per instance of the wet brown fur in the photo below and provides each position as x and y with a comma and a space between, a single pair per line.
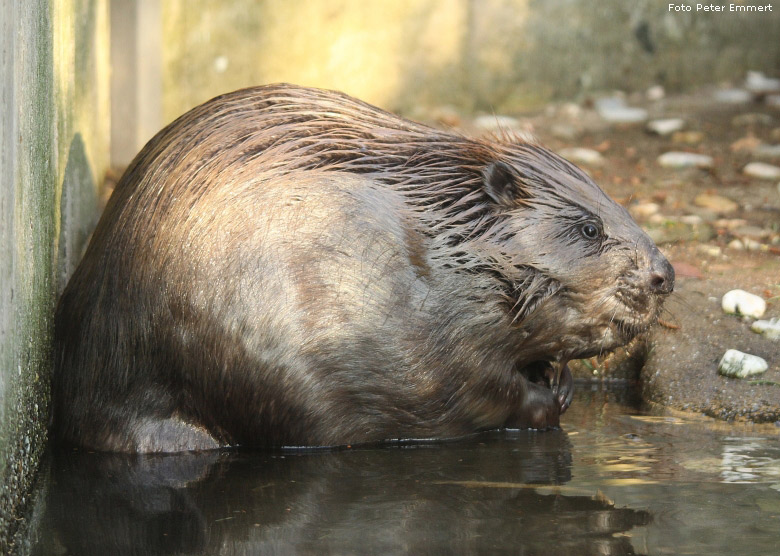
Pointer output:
291, 266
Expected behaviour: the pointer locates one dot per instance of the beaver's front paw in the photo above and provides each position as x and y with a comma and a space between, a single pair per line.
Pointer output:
564, 389
540, 410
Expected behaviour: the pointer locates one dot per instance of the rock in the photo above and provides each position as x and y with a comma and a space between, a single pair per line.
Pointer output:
767, 151
585, 156
752, 232
644, 210
688, 137
741, 365
566, 132
715, 203
762, 170
740, 302
758, 83
710, 250
678, 159
748, 143
656, 92
736, 244
733, 96
614, 110
496, 123
752, 118
666, 126
753, 245
772, 100
692, 219
769, 328
667, 230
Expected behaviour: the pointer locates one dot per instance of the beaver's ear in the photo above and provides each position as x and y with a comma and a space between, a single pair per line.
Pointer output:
501, 183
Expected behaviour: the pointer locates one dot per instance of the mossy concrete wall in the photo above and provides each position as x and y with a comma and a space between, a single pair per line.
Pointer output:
53, 152
490, 55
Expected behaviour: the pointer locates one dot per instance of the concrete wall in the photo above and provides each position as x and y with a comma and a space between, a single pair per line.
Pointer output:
488, 55
54, 127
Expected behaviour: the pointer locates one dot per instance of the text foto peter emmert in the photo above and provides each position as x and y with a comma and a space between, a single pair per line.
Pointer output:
719, 8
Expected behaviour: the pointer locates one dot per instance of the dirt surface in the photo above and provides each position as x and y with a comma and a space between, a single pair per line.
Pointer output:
714, 250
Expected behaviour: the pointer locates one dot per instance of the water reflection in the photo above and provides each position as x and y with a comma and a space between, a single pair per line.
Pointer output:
749, 460
502, 492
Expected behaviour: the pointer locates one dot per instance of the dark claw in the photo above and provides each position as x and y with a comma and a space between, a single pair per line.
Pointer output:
564, 389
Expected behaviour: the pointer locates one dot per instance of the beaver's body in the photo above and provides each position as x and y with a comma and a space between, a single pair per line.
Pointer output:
289, 266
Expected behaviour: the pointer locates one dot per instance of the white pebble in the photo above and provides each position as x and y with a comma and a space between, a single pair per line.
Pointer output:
762, 171
741, 365
757, 82
656, 92
585, 156
614, 110
733, 96
736, 244
666, 126
740, 302
677, 159
769, 328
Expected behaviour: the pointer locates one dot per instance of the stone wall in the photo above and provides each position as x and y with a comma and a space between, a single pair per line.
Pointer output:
53, 151
485, 55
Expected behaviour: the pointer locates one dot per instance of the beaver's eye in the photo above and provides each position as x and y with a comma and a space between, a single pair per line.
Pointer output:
590, 230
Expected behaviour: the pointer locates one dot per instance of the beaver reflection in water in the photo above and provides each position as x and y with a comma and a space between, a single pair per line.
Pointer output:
291, 266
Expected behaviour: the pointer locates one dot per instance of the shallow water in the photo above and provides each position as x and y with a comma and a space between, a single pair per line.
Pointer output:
614, 481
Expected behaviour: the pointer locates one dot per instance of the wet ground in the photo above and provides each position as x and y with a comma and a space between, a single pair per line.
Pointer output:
613, 481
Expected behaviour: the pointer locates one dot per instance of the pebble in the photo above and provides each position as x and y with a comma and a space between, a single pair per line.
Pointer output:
496, 123
733, 96
666, 126
773, 100
677, 159
710, 250
752, 118
582, 155
752, 244
656, 92
614, 110
716, 203
644, 210
737, 364
571, 110
767, 151
753, 232
565, 131
762, 170
688, 137
740, 302
757, 82
748, 143
736, 245
769, 328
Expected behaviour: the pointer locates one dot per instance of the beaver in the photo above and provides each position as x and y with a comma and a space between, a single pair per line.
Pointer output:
289, 266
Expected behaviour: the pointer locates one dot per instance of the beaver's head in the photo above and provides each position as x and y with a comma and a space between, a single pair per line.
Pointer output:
582, 277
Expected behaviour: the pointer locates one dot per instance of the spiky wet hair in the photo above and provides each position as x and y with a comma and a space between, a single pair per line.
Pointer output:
460, 187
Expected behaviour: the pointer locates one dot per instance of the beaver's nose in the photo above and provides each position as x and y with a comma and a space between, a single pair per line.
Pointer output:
661, 275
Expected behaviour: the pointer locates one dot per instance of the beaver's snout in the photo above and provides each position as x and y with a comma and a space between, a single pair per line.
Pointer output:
661, 280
